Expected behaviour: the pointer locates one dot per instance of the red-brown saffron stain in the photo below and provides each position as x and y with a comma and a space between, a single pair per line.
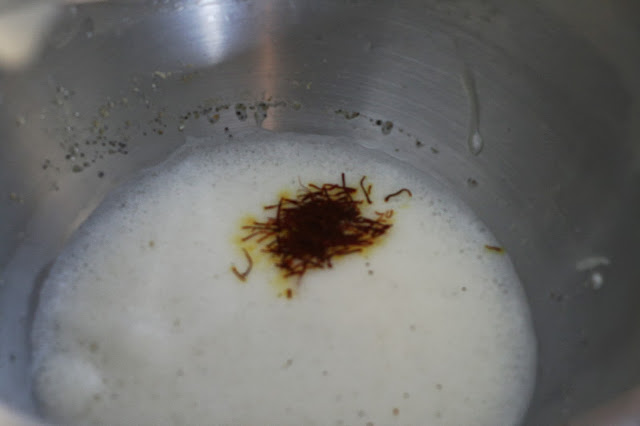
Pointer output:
395, 194
365, 191
494, 248
320, 223
243, 275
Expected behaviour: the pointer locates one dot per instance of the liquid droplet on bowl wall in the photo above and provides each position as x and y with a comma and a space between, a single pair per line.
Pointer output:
476, 143
595, 281
591, 262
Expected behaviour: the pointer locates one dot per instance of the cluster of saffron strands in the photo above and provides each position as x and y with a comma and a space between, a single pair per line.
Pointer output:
320, 223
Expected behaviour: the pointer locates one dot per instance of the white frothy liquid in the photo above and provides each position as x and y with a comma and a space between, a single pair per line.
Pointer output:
141, 321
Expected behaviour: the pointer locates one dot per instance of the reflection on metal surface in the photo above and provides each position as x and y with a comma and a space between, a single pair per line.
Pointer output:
212, 30
23, 31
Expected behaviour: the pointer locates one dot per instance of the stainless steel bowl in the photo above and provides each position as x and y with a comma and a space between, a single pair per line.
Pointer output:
121, 85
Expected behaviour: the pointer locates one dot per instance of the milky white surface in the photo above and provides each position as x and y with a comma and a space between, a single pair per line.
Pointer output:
142, 322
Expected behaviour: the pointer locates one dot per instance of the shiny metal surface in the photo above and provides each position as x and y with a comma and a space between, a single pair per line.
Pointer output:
121, 84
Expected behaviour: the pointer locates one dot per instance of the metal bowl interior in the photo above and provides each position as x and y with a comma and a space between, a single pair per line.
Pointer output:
122, 84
